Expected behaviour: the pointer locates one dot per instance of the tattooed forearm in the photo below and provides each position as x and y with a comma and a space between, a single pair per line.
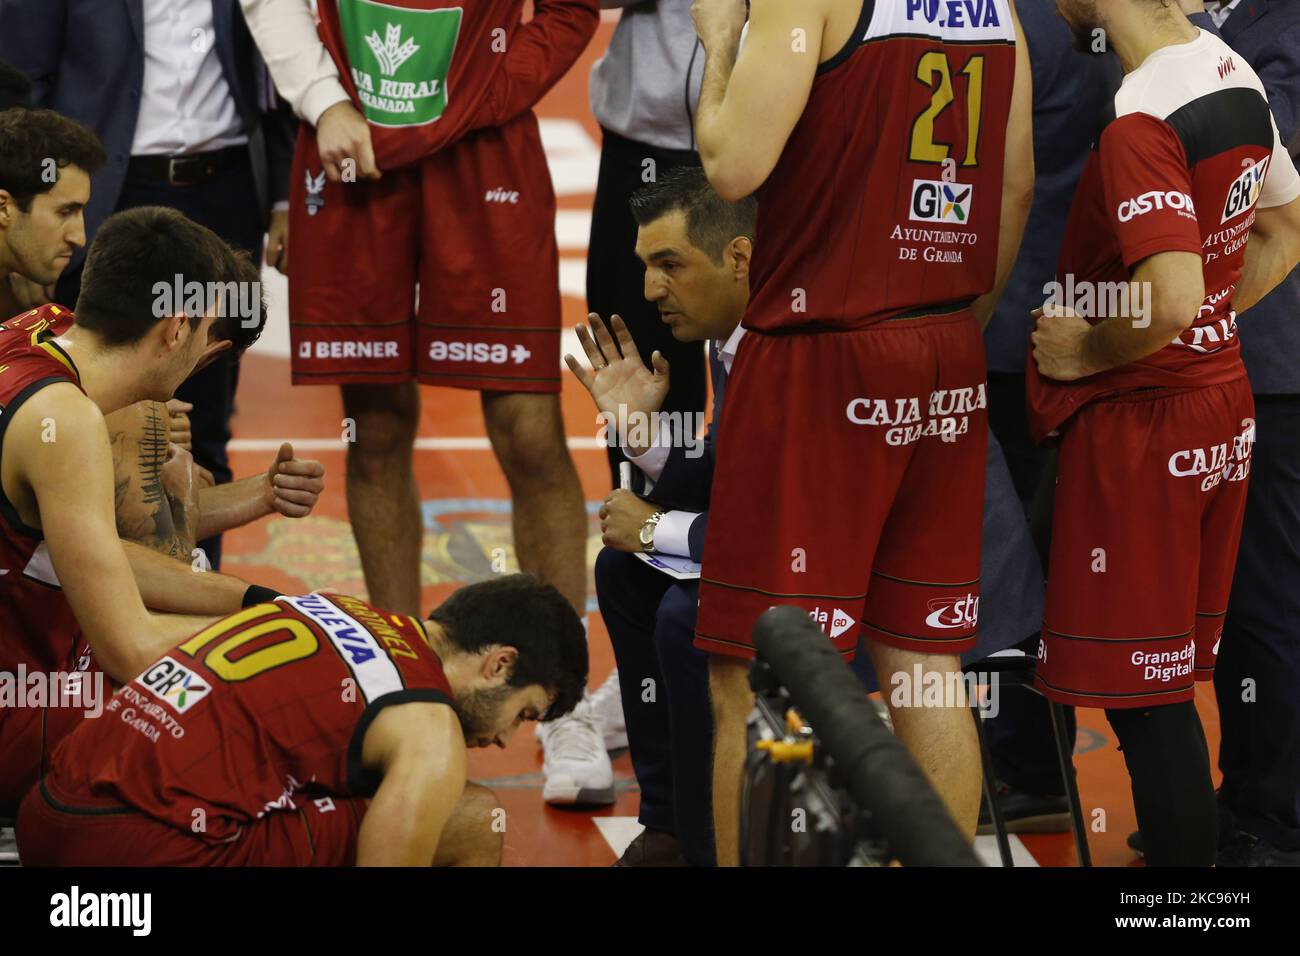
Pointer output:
146, 512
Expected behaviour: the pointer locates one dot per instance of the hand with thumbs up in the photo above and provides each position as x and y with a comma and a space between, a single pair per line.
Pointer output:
293, 485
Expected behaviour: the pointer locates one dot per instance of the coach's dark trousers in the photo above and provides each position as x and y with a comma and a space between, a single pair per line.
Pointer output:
1257, 677
226, 204
665, 685
616, 277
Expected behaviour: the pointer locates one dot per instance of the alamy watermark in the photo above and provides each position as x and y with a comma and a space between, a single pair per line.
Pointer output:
238, 300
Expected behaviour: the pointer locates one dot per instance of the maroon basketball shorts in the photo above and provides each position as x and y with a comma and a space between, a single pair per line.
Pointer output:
58, 828
1149, 501
473, 226
850, 483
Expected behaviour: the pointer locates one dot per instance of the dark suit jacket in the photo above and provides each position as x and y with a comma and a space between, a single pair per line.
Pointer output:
685, 482
86, 60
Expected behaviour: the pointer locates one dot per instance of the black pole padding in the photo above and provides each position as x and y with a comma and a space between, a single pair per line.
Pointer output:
879, 772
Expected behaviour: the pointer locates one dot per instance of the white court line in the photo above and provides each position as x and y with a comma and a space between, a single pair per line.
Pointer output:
618, 831
421, 444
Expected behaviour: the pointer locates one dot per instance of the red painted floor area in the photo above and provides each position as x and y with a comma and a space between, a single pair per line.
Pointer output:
466, 516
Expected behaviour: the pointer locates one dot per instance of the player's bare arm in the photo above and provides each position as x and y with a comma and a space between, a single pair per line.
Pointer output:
154, 488
420, 751
289, 487
1067, 347
1271, 253
161, 500
750, 103
1017, 176
56, 452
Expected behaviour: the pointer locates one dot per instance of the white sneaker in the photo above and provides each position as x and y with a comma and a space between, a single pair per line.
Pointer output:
607, 705
576, 766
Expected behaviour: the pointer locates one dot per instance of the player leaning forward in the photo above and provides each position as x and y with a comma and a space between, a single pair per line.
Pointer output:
856, 424
315, 730
1189, 195
420, 161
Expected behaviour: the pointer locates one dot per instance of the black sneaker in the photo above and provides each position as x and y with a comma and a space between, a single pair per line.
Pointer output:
1027, 812
1246, 849
653, 848
1134, 842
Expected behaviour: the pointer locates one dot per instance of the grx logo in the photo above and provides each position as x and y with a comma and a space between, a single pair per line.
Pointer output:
936, 201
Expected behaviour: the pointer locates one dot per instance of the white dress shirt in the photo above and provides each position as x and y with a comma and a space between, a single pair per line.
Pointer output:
186, 105
302, 68
673, 531
1219, 12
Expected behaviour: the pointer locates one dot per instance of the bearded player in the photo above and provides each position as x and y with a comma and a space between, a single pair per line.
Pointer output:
1188, 202
420, 162
889, 147
260, 740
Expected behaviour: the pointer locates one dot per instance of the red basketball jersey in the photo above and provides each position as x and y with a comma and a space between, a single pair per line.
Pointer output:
426, 72
1191, 154
887, 197
262, 710
37, 626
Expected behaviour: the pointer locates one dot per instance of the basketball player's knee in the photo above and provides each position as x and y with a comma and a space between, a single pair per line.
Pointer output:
475, 832
529, 440
380, 425
483, 808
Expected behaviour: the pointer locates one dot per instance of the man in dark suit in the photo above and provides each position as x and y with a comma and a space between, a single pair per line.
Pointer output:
696, 249
180, 98
1257, 680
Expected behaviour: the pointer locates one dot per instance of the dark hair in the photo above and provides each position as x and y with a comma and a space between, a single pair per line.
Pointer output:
520, 611
15, 88
711, 221
29, 139
242, 325
138, 250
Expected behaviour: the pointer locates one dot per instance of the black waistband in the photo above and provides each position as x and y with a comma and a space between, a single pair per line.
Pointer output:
192, 170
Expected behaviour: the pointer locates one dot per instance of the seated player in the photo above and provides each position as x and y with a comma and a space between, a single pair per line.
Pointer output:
71, 585
163, 502
167, 502
312, 730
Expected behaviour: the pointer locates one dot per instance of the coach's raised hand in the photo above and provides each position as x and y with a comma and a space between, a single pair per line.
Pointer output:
293, 484
343, 135
623, 389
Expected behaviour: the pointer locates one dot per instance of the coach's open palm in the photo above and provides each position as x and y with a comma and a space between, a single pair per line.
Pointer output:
617, 376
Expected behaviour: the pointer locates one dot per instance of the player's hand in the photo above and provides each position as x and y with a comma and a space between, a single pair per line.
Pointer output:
28, 294
177, 474
621, 518
293, 484
617, 377
178, 424
719, 22
343, 134
277, 242
1058, 339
